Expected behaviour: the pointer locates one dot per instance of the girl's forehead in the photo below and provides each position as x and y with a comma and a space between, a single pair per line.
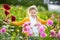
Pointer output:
32, 10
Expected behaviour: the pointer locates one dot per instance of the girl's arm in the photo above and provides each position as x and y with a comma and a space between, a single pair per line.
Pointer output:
44, 21
20, 23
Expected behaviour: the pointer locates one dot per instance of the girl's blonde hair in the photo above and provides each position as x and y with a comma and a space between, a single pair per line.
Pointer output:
32, 7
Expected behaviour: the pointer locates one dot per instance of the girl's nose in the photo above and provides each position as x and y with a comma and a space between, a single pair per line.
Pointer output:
33, 13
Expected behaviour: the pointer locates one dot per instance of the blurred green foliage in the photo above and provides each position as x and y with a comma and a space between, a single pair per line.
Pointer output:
24, 2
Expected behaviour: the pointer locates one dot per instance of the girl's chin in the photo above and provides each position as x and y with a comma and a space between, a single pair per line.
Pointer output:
33, 15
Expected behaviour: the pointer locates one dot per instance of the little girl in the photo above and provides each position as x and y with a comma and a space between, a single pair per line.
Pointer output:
33, 19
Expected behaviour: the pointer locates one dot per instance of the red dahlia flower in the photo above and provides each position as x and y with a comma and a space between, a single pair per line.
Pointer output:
6, 13
13, 18
6, 6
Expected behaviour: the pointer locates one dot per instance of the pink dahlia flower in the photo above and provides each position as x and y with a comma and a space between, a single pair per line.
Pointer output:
42, 29
26, 24
58, 35
43, 35
52, 33
30, 34
3, 30
50, 23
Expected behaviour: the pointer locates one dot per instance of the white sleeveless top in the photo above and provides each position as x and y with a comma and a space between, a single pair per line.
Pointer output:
34, 28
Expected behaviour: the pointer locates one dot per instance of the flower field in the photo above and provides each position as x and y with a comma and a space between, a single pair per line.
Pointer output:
17, 13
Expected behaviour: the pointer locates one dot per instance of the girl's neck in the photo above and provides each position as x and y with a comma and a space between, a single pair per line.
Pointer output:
34, 17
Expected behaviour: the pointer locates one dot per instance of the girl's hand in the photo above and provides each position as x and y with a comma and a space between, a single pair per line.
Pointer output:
53, 16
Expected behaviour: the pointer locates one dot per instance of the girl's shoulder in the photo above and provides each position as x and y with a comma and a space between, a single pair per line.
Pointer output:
26, 18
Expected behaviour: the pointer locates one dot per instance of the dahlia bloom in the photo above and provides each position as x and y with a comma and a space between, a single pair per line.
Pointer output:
58, 35
43, 35
30, 34
13, 18
26, 24
6, 7
42, 28
50, 23
38, 24
3, 30
27, 28
6, 12
27, 31
52, 33
24, 30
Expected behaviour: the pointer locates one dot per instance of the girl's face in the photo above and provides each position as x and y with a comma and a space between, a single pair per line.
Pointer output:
33, 12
